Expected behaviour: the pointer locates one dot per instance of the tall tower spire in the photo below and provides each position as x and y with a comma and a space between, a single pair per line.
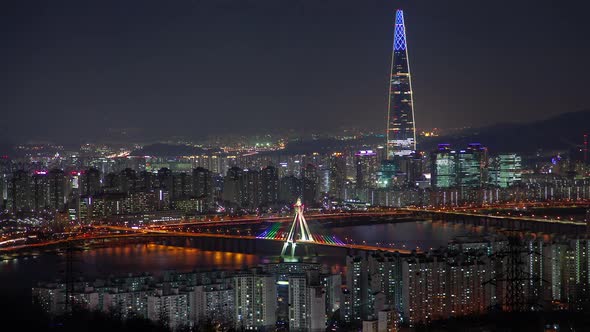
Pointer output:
401, 129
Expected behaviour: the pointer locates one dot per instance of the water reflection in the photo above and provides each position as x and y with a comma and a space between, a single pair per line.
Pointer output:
155, 258
410, 235
17, 276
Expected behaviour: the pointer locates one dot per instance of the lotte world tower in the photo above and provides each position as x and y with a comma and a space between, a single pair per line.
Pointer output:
401, 129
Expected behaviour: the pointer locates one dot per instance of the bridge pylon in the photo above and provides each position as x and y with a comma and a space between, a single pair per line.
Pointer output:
299, 230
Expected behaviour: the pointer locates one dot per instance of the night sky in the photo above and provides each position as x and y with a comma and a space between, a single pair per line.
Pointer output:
70, 69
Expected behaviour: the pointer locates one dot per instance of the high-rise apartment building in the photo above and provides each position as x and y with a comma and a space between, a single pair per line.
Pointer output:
269, 187
255, 300
310, 184
39, 190
424, 288
357, 281
203, 185
90, 182
251, 189
232, 185
437, 286
171, 309
333, 287
19, 197
290, 189
367, 166
385, 271
337, 176
307, 303
388, 321
56, 189
214, 302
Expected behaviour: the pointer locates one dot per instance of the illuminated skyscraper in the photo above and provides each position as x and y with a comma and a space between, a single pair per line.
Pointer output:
401, 130
444, 167
462, 168
505, 170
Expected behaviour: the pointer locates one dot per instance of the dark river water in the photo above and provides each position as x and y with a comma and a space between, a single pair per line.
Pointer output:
18, 275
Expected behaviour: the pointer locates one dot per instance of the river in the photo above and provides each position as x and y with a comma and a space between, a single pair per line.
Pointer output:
18, 275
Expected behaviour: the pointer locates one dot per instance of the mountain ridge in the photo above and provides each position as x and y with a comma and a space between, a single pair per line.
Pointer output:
561, 132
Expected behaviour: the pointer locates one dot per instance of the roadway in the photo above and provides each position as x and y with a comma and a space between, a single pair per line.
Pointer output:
134, 233
151, 232
259, 220
496, 216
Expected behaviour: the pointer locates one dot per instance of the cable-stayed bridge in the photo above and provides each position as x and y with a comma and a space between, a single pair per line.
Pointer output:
298, 232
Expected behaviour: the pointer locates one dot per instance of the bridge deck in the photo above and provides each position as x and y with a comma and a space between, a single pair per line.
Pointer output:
131, 233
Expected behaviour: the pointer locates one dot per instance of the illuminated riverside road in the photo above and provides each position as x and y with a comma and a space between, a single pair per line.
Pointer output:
496, 216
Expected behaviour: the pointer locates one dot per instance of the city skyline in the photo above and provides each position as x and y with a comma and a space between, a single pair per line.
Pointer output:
295, 165
145, 67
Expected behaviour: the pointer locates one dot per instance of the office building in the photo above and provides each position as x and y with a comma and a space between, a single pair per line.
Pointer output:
471, 165
505, 170
444, 167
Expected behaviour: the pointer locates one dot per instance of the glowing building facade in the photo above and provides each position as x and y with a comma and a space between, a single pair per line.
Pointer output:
401, 129
506, 170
